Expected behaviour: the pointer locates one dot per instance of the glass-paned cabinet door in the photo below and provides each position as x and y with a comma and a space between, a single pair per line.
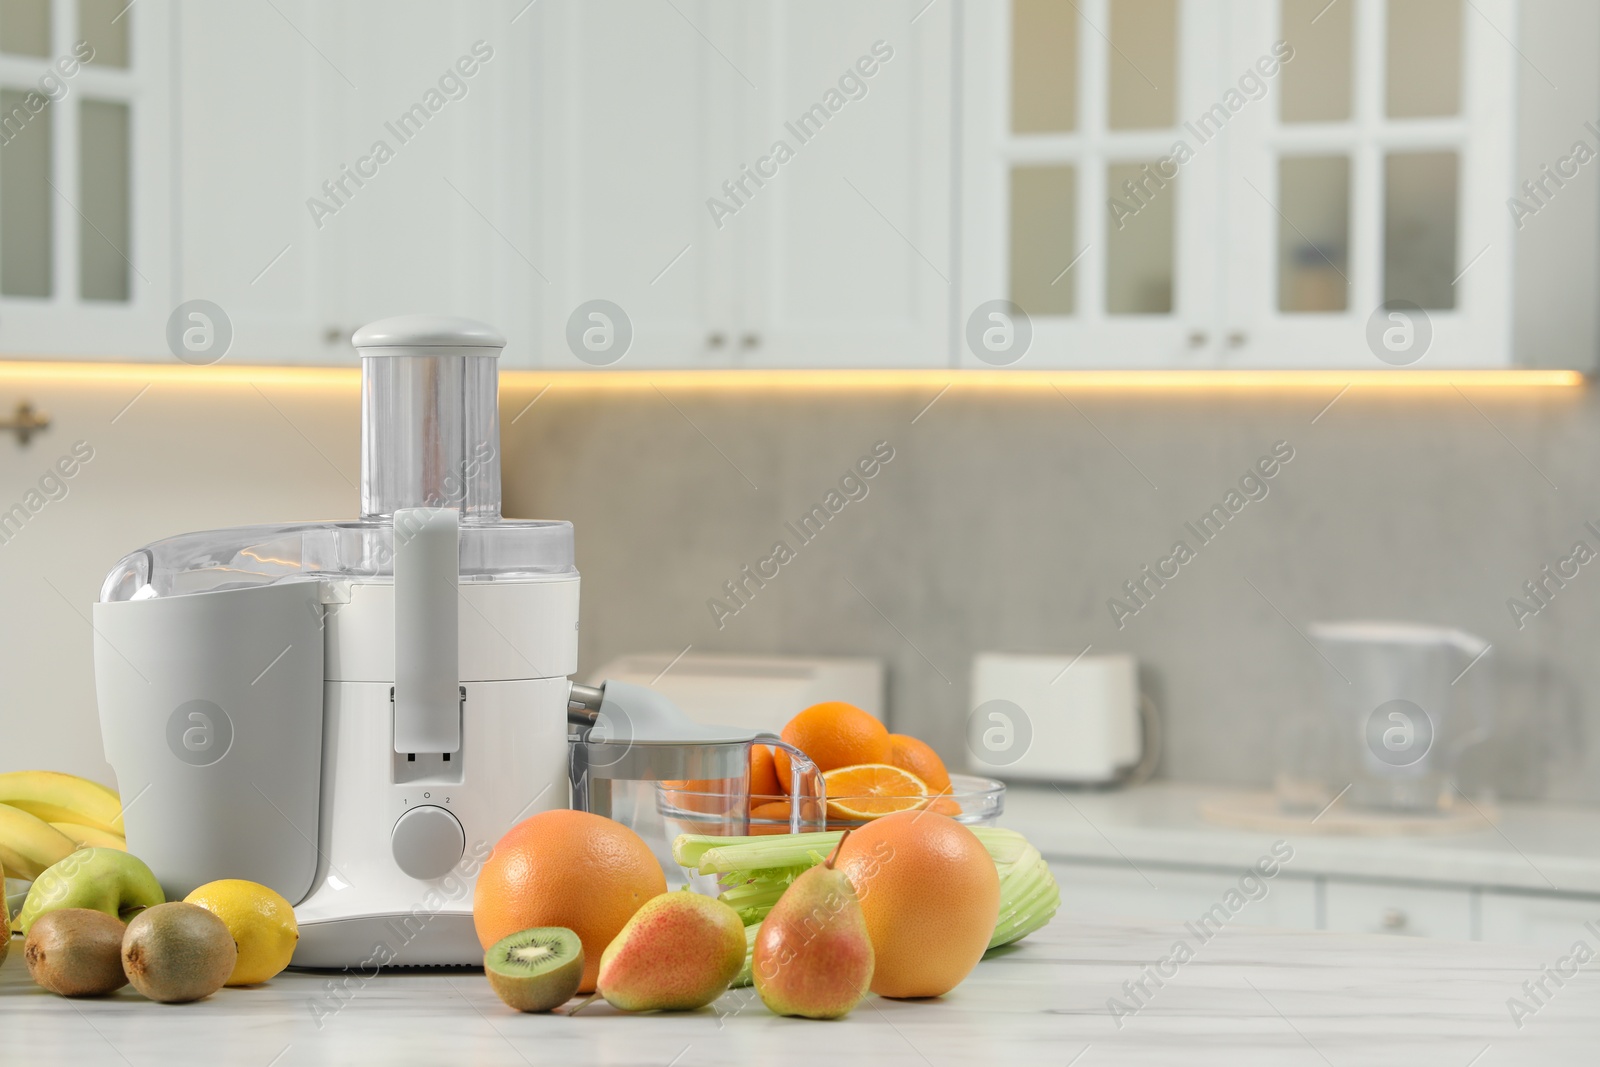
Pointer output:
85, 178
1365, 195
1089, 223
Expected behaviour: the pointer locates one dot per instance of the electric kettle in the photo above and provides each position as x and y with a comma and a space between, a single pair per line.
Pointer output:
354, 712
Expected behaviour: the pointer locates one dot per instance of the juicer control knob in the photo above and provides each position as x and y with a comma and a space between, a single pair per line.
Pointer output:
427, 841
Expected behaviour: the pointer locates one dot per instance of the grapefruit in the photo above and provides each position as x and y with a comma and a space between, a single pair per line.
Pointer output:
566, 868
930, 895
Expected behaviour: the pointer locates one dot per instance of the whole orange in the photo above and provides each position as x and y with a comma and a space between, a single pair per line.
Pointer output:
763, 773
930, 895
918, 757
566, 868
833, 734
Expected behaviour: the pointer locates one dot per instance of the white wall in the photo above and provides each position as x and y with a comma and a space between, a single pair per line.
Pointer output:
1004, 523
182, 457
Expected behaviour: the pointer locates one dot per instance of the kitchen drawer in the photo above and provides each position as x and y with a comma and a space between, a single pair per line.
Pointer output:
1362, 908
1550, 923
1156, 894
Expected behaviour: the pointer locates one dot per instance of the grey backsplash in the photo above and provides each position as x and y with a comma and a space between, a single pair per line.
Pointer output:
1007, 519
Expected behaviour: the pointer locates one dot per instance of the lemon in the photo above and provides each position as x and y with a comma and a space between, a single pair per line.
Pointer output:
261, 922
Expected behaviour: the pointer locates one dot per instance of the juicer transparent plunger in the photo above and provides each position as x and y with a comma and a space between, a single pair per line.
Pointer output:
636, 758
430, 418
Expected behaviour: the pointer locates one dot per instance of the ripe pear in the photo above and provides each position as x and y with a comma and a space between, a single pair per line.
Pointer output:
678, 953
812, 955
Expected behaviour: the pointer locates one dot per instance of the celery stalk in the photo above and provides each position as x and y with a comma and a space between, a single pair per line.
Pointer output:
719, 855
753, 898
743, 978
760, 853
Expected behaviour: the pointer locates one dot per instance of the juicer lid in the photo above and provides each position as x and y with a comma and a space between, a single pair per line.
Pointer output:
399, 335
207, 561
430, 438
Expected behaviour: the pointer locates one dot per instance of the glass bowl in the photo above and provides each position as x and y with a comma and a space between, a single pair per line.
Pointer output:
971, 800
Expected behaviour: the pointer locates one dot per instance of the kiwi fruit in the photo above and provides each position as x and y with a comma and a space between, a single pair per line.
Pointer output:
537, 969
178, 952
76, 952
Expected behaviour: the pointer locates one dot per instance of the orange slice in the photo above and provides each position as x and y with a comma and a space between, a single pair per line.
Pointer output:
869, 790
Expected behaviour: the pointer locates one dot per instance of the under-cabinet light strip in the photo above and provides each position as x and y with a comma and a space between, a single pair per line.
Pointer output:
820, 380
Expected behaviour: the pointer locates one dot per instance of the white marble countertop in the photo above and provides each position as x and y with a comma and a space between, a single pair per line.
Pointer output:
1532, 846
1247, 996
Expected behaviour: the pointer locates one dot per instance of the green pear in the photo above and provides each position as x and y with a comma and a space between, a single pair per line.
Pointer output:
812, 955
101, 879
677, 953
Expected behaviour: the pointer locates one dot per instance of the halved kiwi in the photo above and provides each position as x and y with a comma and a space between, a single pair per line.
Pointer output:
537, 969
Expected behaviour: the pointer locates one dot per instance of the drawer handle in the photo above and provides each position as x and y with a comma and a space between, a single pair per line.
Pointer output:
1394, 920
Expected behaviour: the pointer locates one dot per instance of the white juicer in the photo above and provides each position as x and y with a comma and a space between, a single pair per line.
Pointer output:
353, 712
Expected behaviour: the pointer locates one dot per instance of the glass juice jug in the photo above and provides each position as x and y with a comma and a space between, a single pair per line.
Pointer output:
1402, 701
636, 758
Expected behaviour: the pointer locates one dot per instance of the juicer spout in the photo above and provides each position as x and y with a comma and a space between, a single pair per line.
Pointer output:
583, 704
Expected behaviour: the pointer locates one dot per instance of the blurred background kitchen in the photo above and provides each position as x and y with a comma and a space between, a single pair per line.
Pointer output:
1358, 237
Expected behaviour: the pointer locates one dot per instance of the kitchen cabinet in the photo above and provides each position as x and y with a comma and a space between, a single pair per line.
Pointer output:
1548, 922
248, 157
1113, 891
751, 184
849, 262
1163, 894
1415, 911
1263, 183
777, 183
633, 129
609, 151
1062, 105
300, 167
1384, 187
86, 130
443, 221
1149, 852
341, 163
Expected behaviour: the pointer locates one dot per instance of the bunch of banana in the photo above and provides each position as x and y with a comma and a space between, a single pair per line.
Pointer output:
45, 815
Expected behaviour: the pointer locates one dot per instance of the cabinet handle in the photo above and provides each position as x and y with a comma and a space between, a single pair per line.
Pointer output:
334, 335
750, 340
25, 421
716, 339
1237, 339
1394, 919
1198, 338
